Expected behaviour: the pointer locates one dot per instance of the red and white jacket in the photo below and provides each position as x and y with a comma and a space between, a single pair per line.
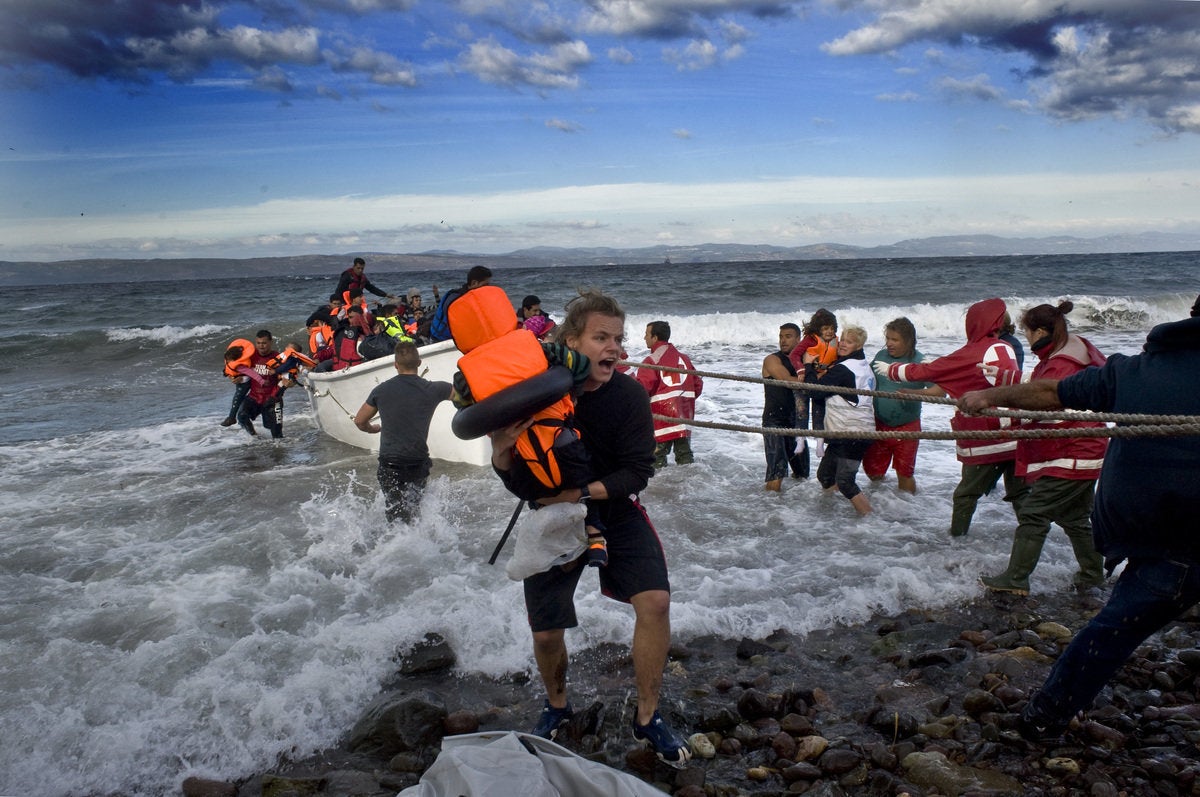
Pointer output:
671, 394
1063, 457
959, 372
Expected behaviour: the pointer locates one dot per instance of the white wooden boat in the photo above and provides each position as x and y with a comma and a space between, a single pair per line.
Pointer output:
337, 395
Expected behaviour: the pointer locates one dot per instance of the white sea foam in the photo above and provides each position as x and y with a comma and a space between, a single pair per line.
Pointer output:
165, 335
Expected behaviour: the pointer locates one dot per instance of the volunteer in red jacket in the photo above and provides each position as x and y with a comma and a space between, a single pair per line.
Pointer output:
671, 394
1061, 471
983, 362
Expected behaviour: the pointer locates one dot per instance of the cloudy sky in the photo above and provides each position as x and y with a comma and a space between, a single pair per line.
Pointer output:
181, 128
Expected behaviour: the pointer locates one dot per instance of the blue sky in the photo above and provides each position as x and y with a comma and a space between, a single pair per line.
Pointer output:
207, 128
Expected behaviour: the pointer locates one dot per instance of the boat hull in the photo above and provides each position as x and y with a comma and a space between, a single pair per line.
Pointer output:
337, 395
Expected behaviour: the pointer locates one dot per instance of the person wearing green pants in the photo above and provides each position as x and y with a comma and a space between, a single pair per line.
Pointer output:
1062, 470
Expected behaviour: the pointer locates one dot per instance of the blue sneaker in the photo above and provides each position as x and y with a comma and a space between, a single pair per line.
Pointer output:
552, 720
671, 748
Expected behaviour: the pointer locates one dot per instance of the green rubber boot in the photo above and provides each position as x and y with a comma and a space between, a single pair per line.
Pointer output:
1091, 563
1026, 550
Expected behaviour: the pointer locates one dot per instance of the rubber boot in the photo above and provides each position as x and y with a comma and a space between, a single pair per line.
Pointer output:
1091, 563
683, 451
1026, 550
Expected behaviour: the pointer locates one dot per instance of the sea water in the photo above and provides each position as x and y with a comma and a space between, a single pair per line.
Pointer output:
182, 599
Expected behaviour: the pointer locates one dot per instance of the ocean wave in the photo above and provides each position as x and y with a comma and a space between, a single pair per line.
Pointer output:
165, 335
944, 320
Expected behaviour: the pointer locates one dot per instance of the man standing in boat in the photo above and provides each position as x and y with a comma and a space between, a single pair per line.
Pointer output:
405, 405
355, 277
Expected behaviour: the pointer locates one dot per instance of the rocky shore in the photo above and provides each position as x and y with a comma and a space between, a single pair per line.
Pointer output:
921, 704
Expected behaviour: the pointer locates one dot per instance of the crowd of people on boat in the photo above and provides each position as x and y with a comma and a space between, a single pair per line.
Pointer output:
614, 426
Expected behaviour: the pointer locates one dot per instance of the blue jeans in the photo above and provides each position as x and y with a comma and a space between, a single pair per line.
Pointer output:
1149, 594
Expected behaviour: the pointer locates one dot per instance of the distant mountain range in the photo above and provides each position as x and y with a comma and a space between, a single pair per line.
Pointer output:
113, 270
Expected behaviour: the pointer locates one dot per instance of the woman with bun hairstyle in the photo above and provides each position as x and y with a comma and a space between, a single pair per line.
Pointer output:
1062, 471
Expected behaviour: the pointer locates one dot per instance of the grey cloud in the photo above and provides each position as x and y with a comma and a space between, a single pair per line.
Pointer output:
673, 19
1088, 58
494, 63
564, 125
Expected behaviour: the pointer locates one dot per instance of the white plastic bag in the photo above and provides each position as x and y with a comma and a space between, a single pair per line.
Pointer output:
553, 535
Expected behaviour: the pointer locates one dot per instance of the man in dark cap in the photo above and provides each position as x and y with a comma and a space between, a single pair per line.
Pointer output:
1146, 505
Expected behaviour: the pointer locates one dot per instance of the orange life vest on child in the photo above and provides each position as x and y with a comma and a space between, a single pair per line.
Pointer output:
825, 352
320, 329
497, 354
291, 351
243, 359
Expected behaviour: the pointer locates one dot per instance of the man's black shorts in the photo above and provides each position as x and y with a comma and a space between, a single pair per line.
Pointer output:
635, 564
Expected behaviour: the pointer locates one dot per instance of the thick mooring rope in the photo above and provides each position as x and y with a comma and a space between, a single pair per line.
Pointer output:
1142, 425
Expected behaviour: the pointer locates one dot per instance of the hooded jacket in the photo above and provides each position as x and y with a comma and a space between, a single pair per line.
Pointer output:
959, 372
1146, 502
1063, 457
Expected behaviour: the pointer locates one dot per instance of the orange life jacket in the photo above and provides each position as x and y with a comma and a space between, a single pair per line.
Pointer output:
322, 329
247, 352
498, 353
291, 351
825, 353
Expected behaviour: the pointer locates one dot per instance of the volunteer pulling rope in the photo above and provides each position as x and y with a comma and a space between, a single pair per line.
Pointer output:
1145, 425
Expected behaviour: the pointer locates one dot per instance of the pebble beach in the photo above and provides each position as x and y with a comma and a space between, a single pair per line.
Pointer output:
921, 703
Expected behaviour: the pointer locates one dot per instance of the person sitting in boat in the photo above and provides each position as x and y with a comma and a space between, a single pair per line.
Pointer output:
392, 319
379, 343
320, 339
328, 312
354, 298
439, 328
345, 342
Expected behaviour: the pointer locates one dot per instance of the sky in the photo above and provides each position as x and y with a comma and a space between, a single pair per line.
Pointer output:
209, 128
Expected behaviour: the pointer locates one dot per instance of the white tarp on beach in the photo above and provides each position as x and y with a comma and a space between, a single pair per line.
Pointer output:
504, 763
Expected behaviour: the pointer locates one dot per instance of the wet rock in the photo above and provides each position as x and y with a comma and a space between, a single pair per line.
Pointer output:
394, 724
893, 723
717, 718
839, 760
977, 701
1061, 767
801, 771
758, 773
748, 648
431, 654
1102, 734
938, 658
935, 771
641, 760
690, 776
730, 747
203, 787
811, 747
691, 791
1054, 632
275, 786
796, 725
702, 746
406, 762
783, 745
458, 722
755, 704
350, 783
